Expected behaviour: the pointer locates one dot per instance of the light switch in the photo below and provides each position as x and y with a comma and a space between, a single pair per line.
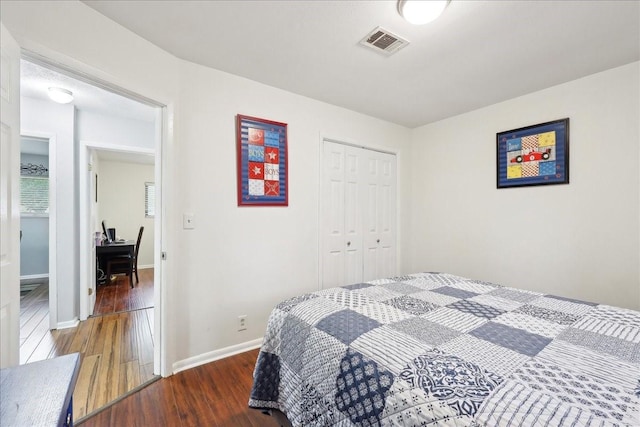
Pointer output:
188, 222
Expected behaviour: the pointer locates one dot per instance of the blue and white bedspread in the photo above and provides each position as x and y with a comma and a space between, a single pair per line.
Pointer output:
440, 350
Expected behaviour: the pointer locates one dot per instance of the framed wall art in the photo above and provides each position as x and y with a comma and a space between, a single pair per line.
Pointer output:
533, 155
262, 162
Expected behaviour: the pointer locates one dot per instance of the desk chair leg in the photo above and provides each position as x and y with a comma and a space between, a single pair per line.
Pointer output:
131, 279
136, 271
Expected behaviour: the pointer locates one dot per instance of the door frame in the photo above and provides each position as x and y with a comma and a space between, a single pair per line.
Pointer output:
351, 143
53, 278
163, 167
86, 246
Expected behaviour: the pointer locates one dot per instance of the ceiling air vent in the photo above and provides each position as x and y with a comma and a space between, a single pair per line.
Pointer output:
384, 41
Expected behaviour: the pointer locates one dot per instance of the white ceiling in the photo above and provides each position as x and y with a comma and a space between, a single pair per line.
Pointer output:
478, 53
35, 81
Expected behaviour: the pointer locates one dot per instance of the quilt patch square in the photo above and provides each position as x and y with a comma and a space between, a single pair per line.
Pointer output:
383, 313
424, 330
348, 299
357, 286
602, 399
378, 293
512, 338
514, 294
497, 302
474, 286
530, 324
435, 298
294, 335
491, 357
622, 349
312, 310
476, 309
268, 370
548, 314
454, 292
563, 305
388, 346
402, 288
411, 305
347, 325
454, 319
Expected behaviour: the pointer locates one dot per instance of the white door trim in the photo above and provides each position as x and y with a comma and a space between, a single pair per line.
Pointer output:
164, 166
53, 230
88, 274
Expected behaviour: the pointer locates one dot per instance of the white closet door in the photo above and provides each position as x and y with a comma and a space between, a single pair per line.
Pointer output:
341, 218
358, 215
353, 215
379, 215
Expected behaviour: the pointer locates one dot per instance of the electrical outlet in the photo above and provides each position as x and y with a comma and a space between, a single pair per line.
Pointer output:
242, 322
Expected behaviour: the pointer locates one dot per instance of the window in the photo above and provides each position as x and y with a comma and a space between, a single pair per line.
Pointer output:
34, 195
149, 200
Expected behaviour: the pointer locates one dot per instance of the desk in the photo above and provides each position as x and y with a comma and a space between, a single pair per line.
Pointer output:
109, 250
39, 393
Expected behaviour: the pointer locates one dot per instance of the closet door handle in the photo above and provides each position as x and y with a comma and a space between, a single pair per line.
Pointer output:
348, 243
378, 241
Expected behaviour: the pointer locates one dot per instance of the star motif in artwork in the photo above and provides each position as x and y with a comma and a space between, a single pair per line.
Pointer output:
272, 155
256, 170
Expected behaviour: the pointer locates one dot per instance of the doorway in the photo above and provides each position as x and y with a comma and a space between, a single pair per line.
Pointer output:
37, 237
125, 128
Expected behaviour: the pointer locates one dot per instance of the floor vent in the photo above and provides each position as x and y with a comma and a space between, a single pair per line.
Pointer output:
384, 41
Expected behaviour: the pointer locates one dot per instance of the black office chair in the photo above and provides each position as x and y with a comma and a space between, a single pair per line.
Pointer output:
126, 264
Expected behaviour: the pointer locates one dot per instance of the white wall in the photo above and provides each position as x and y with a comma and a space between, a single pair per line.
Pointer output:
58, 121
121, 203
244, 260
111, 129
579, 240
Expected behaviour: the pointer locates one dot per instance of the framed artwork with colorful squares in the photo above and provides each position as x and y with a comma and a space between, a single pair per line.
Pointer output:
533, 155
262, 162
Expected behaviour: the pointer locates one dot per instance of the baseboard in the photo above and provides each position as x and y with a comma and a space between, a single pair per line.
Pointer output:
142, 267
212, 356
34, 278
68, 324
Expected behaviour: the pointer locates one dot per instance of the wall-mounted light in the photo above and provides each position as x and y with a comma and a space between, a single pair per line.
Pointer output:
420, 12
59, 95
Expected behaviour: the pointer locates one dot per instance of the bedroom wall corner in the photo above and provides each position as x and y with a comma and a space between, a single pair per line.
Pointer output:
580, 240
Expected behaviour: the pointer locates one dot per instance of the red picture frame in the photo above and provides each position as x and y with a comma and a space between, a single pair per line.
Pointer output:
262, 162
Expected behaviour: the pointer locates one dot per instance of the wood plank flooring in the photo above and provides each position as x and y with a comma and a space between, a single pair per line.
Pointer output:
116, 350
118, 295
215, 394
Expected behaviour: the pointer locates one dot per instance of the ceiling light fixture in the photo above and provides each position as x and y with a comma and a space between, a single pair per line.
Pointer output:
59, 95
420, 12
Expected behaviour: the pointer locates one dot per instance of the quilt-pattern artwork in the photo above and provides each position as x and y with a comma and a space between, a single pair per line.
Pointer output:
534, 155
434, 349
262, 162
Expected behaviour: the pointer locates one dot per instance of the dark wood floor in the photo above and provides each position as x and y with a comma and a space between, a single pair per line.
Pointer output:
116, 350
215, 394
118, 296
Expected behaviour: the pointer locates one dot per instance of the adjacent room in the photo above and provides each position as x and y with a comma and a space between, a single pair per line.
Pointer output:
324, 189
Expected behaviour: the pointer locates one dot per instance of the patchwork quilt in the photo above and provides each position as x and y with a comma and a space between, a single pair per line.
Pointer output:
434, 349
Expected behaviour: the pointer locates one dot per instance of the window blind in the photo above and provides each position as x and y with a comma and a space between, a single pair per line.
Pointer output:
34, 195
149, 199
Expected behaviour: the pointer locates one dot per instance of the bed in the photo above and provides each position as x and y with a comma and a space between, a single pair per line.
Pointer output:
434, 349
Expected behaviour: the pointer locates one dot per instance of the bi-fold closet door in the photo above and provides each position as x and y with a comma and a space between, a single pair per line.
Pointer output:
358, 214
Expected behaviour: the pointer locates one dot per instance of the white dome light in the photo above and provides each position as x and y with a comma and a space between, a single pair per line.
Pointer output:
59, 95
420, 12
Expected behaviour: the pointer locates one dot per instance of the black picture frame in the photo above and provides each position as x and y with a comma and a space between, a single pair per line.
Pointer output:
533, 155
